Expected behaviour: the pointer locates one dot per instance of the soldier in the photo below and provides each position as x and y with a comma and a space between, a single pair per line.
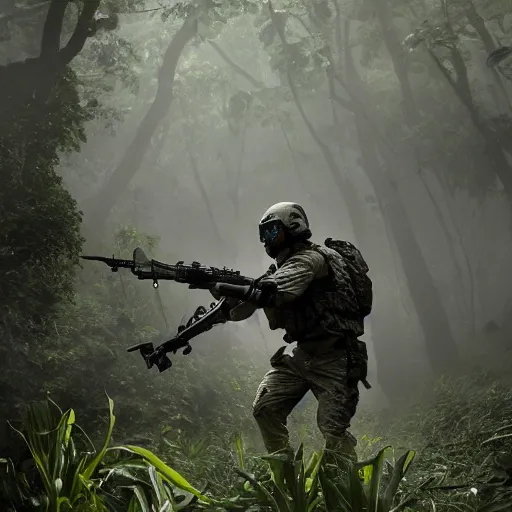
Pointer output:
319, 295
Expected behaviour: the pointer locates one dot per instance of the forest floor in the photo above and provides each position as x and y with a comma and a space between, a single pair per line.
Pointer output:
459, 427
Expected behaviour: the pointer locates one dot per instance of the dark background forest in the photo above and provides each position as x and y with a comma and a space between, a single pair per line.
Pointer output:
173, 125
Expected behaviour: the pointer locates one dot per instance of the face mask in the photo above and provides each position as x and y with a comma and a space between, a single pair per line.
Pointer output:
273, 251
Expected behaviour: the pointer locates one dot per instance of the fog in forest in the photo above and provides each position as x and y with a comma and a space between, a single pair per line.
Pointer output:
173, 126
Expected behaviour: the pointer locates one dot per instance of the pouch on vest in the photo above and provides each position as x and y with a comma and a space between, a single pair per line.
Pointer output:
358, 362
358, 270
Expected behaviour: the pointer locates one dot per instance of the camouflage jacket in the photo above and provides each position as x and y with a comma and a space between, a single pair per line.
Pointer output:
323, 299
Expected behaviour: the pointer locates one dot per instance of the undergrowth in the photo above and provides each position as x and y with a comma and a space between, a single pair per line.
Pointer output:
462, 432
453, 453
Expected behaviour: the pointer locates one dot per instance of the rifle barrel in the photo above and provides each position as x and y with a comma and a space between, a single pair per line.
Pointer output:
111, 262
194, 273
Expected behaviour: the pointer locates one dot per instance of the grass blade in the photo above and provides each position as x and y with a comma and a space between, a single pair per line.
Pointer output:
172, 475
91, 467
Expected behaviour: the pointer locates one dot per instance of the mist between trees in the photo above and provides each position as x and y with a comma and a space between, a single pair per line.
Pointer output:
174, 125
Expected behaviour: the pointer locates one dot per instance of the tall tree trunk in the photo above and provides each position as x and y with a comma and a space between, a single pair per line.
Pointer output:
447, 200
134, 155
453, 253
189, 138
344, 185
395, 51
412, 118
260, 85
380, 322
30, 83
382, 325
159, 141
495, 147
478, 24
440, 344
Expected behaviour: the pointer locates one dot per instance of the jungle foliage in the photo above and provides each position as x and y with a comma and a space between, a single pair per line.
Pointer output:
387, 93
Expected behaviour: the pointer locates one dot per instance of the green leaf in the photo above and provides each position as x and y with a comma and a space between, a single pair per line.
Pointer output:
397, 475
39, 458
378, 466
269, 497
239, 445
91, 467
169, 473
334, 498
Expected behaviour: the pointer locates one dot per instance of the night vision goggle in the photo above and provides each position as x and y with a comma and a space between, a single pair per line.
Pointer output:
269, 231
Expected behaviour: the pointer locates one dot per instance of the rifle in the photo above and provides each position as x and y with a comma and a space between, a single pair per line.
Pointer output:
197, 276
201, 321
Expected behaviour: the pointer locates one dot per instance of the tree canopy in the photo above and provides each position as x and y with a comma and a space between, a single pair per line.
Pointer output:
172, 126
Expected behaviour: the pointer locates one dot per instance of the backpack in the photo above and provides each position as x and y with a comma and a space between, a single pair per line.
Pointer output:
362, 284
358, 271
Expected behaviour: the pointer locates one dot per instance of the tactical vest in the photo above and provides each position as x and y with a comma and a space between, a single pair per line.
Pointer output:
329, 304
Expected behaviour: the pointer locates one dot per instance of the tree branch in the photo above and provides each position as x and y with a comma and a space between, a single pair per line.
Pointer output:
189, 137
50, 43
293, 89
82, 31
478, 24
134, 155
238, 69
344, 103
260, 85
442, 68
332, 92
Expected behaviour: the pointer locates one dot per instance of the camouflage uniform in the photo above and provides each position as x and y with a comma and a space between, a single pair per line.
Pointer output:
317, 308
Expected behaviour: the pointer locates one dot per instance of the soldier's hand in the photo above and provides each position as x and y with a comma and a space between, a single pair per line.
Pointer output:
215, 293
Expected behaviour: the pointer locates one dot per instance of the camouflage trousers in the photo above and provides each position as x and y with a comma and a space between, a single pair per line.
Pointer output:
290, 378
